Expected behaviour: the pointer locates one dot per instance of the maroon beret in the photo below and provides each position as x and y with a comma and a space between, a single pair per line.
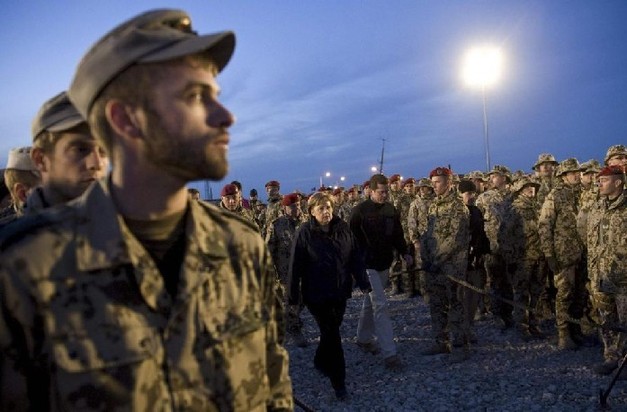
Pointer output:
366, 184
394, 178
440, 171
409, 180
229, 190
290, 199
273, 183
611, 171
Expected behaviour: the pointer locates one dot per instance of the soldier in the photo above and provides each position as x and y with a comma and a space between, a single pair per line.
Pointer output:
607, 268
68, 157
478, 178
395, 188
444, 253
563, 251
545, 172
231, 200
366, 190
425, 190
194, 194
528, 279
279, 238
495, 208
353, 196
589, 189
273, 208
342, 208
616, 156
407, 280
20, 177
112, 314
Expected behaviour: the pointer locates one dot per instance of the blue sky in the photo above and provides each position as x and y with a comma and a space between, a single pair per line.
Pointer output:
316, 85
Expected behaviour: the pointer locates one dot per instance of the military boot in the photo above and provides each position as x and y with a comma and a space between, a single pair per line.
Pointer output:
564, 341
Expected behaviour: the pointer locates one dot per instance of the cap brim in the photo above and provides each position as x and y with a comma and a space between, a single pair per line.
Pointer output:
219, 46
66, 123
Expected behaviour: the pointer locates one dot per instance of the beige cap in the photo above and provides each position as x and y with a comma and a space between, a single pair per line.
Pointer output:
545, 158
56, 115
19, 159
568, 165
153, 36
615, 150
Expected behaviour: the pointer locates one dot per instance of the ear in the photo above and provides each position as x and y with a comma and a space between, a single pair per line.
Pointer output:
21, 191
123, 119
37, 155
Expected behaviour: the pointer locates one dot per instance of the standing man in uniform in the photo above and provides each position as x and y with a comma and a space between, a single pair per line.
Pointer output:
495, 205
607, 267
273, 210
376, 225
140, 298
563, 251
444, 252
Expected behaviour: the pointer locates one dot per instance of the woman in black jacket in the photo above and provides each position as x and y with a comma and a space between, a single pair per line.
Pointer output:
324, 261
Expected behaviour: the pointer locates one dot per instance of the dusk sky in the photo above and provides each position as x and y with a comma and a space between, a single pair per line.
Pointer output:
316, 85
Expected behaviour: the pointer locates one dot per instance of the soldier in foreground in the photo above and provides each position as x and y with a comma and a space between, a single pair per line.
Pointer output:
141, 299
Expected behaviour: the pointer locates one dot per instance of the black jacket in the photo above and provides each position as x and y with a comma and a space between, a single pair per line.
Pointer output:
377, 227
323, 264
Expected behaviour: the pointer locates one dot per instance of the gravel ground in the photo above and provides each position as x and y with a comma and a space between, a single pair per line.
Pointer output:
503, 373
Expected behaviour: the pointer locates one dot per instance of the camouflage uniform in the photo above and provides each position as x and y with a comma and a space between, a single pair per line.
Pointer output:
343, 211
495, 206
407, 280
279, 238
244, 213
528, 280
89, 325
273, 211
444, 251
560, 240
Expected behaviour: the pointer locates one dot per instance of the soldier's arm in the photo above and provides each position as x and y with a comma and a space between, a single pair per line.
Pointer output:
277, 363
546, 223
13, 359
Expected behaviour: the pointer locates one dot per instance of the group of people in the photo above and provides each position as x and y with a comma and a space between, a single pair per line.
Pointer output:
119, 290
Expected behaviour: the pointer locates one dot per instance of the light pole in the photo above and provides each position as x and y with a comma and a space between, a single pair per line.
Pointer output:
327, 175
482, 68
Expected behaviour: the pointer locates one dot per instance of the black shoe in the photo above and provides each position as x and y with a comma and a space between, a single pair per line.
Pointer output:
341, 394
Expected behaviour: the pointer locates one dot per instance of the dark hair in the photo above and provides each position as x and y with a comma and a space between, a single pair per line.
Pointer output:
238, 184
378, 179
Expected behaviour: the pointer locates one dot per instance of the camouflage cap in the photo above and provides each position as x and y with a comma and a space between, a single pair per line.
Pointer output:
568, 165
153, 36
523, 182
57, 114
591, 166
424, 182
501, 170
545, 158
19, 159
615, 150
476, 174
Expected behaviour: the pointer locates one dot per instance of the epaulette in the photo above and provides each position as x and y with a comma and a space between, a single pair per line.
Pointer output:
19, 228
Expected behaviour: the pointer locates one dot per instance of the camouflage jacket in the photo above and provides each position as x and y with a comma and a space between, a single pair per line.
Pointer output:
279, 238
273, 211
546, 185
524, 229
417, 219
86, 322
403, 203
495, 206
607, 245
444, 245
343, 211
247, 214
557, 226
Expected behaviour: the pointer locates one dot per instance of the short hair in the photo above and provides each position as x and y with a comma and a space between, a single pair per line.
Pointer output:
47, 140
238, 184
26, 177
193, 191
376, 180
319, 198
134, 86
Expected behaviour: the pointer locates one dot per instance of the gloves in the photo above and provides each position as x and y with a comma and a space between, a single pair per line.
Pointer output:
552, 263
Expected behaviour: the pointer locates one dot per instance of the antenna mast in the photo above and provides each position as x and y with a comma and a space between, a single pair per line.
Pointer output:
382, 151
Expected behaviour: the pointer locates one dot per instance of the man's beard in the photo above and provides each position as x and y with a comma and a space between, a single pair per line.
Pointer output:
181, 158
